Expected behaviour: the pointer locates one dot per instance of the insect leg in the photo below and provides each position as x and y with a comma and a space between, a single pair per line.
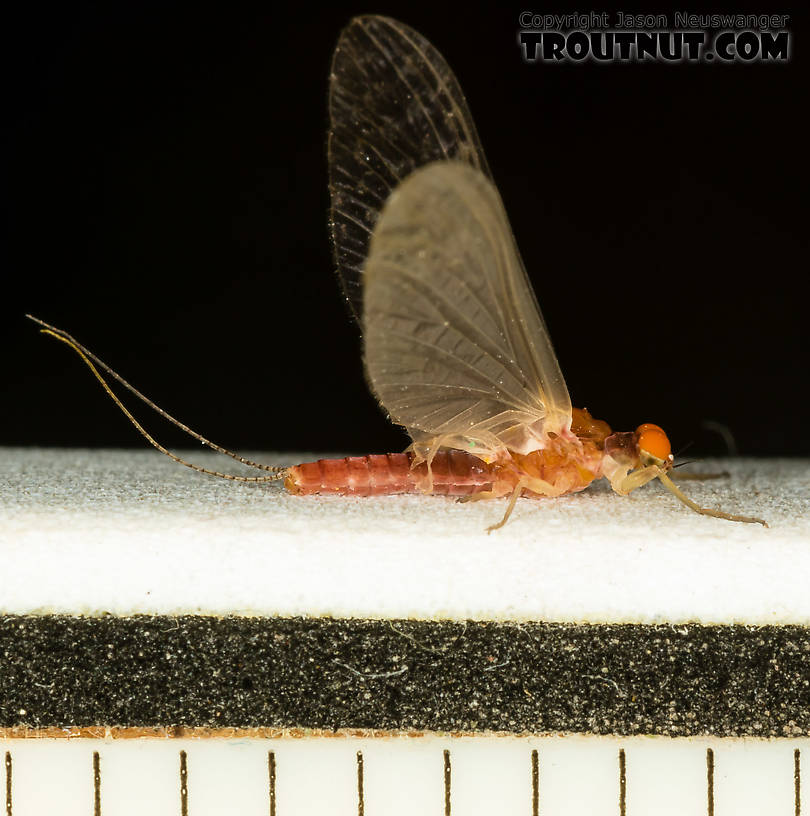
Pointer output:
483, 494
539, 486
705, 511
636, 479
424, 451
522, 482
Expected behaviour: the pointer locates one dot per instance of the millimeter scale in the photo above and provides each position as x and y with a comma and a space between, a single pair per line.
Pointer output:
350, 775
403, 775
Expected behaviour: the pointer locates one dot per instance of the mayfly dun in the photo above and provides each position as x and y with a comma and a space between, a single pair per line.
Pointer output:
455, 347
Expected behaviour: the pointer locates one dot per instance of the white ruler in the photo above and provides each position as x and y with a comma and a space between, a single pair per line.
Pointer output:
404, 776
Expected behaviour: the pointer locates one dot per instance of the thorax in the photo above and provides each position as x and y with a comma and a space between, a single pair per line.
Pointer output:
569, 466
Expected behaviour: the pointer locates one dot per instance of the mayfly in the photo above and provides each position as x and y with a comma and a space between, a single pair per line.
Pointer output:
455, 347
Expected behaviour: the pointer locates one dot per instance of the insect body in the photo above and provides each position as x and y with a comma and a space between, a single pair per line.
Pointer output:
455, 348
563, 466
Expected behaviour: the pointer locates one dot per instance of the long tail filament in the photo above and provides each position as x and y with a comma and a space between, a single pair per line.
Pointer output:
89, 358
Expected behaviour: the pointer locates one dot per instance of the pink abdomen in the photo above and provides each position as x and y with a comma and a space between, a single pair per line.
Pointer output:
455, 473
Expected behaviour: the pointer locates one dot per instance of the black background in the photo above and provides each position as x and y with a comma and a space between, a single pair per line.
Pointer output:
166, 198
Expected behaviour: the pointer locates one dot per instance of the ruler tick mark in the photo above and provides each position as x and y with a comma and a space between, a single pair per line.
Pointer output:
535, 783
96, 784
271, 777
447, 774
622, 783
797, 782
361, 808
8, 783
710, 782
183, 784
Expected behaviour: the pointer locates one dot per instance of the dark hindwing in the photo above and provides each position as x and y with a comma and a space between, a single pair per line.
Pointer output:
394, 105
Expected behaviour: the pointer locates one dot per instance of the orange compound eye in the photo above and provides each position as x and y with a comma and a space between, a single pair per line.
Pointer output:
653, 440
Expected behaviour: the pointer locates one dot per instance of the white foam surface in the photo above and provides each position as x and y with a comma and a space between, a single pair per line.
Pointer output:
130, 532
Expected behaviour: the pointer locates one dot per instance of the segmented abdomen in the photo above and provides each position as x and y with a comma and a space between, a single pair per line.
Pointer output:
455, 473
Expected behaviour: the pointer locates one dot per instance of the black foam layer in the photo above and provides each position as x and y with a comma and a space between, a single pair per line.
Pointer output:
324, 673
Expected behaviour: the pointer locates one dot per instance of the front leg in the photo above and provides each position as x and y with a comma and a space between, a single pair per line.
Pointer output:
647, 474
636, 479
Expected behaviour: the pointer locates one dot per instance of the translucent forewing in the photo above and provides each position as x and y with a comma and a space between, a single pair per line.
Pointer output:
394, 105
455, 346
